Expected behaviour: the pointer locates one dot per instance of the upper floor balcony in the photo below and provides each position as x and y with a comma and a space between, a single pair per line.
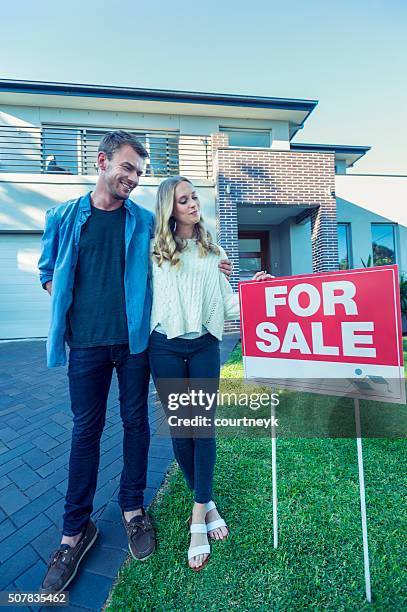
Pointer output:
58, 150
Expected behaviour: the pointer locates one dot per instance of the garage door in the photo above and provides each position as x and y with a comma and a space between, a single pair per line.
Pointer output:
24, 305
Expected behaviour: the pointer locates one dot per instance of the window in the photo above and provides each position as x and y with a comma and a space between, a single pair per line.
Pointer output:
344, 250
248, 138
162, 149
90, 144
74, 150
383, 244
60, 147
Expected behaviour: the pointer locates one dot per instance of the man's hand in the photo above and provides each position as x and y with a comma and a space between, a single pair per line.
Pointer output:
48, 287
226, 266
262, 276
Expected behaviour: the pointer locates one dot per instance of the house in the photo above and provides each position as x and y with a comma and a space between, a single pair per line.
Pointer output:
274, 203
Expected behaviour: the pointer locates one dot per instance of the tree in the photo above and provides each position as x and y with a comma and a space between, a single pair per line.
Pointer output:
382, 255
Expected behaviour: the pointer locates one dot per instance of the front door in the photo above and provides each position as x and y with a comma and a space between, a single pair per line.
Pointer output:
253, 253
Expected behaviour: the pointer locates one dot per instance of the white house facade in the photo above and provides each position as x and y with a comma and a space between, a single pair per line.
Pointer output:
272, 202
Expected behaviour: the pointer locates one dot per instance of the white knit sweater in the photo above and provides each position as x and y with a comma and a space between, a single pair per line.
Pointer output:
194, 294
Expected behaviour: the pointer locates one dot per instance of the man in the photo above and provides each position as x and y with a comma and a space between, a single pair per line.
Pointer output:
95, 265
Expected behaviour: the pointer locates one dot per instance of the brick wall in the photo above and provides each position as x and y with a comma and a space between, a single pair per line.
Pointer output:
264, 177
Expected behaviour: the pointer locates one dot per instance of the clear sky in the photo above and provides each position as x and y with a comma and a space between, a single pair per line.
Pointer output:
351, 55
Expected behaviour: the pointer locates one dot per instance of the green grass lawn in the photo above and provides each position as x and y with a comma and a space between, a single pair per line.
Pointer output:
319, 562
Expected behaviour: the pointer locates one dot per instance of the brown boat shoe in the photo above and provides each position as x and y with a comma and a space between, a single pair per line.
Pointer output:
64, 562
140, 535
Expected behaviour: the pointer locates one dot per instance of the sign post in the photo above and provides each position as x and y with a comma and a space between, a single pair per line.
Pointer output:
362, 501
332, 333
274, 477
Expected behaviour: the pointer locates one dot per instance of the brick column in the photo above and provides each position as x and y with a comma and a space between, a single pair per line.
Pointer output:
219, 139
226, 213
324, 238
226, 209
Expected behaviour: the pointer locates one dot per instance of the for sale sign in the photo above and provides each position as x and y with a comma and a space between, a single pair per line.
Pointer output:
332, 332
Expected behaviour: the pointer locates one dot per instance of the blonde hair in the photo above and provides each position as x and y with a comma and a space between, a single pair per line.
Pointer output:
167, 245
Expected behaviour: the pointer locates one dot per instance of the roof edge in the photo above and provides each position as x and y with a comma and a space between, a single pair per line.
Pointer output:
72, 89
331, 147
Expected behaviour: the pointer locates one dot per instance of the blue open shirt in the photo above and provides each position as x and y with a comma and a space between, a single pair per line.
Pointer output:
59, 256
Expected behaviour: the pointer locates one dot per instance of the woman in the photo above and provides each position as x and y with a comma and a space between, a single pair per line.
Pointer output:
191, 300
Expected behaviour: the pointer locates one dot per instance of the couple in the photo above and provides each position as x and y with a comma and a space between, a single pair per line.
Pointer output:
99, 257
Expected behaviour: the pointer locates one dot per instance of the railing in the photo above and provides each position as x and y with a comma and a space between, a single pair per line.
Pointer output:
73, 150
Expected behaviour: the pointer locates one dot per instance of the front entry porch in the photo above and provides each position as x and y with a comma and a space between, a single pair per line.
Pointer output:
274, 238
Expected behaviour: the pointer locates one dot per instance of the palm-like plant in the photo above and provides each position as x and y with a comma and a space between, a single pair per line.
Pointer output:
403, 294
402, 285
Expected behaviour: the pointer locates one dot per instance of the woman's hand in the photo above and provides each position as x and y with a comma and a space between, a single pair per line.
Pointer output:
262, 276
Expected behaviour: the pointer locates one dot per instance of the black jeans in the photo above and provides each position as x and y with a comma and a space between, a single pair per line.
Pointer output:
90, 374
189, 364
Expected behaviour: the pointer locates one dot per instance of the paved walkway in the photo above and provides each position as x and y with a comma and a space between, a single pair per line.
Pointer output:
35, 432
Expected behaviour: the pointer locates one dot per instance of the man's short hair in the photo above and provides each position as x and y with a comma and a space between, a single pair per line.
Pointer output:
113, 141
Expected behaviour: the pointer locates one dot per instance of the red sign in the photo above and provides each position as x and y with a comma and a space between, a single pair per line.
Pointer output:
332, 325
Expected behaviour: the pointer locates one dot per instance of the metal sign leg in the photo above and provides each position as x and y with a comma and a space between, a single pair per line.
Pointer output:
274, 477
362, 501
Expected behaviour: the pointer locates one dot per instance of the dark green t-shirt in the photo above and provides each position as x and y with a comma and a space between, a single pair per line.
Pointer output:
97, 316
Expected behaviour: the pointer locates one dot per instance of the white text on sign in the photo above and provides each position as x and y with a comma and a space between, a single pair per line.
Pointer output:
336, 298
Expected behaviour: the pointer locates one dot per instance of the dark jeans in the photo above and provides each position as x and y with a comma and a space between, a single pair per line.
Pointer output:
189, 364
90, 374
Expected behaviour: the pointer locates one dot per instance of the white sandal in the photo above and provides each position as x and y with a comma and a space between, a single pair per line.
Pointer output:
204, 549
214, 524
